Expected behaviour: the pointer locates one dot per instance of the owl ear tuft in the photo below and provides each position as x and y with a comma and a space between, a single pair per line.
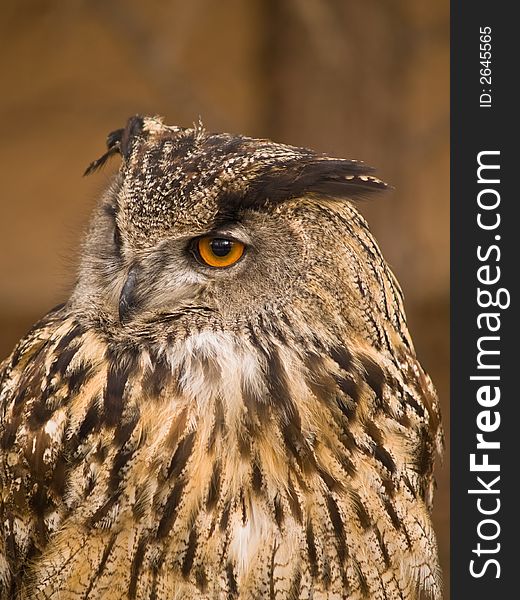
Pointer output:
320, 176
120, 141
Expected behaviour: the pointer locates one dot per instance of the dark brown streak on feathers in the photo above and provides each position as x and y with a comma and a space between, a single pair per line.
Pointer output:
224, 518
243, 507
244, 445
389, 486
351, 389
380, 452
40, 414
169, 514
414, 404
200, 579
278, 386
181, 456
190, 552
375, 376
102, 564
175, 471
120, 367
123, 455
363, 584
311, 550
337, 524
177, 430
219, 424
322, 384
328, 479
78, 377
135, 567
75, 332
57, 484
295, 590
423, 458
391, 513
256, 477
382, 545
347, 464
361, 511
90, 422
214, 487
294, 503
232, 582
154, 382
278, 511
64, 359
298, 447
342, 357
276, 377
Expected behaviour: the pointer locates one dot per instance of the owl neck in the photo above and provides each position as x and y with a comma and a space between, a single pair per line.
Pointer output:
253, 398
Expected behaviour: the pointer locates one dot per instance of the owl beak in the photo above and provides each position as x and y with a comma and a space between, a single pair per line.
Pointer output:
128, 299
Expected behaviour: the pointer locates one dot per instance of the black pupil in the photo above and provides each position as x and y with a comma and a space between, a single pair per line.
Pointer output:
221, 247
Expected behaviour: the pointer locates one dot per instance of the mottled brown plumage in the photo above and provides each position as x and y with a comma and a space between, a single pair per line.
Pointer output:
176, 431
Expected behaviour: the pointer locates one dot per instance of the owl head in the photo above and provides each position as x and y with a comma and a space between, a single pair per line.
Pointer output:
201, 230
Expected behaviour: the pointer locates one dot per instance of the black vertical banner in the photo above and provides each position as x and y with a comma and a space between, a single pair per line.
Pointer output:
485, 330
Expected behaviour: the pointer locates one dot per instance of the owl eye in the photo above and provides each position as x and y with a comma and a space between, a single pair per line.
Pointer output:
219, 252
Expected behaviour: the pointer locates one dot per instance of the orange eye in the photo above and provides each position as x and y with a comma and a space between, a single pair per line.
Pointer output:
219, 252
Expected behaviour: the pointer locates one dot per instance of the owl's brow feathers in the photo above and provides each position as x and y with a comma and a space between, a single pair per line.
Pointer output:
281, 172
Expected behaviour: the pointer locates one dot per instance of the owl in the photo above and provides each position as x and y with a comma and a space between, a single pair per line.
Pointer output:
229, 405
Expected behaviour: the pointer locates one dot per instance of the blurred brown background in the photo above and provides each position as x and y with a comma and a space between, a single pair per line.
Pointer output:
359, 79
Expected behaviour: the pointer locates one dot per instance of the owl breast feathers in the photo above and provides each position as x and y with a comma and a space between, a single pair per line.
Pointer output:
229, 404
